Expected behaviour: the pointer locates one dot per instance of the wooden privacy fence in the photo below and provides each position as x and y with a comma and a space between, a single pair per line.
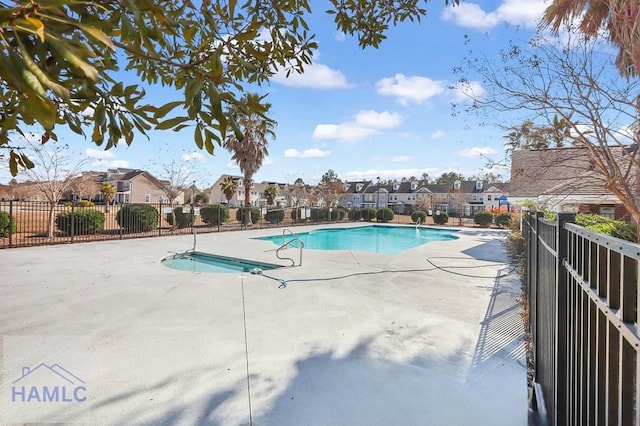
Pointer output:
582, 290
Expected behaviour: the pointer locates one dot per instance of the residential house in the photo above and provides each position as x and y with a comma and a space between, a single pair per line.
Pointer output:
496, 198
138, 186
353, 194
564, 179
256, 196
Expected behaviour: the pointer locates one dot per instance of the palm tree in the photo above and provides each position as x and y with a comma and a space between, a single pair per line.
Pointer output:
271, 193
108, 191
247, 141
620, 18
229, 186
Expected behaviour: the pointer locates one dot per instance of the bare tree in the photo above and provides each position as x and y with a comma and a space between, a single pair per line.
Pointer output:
174, 178
576, 82
86, 186
53, 174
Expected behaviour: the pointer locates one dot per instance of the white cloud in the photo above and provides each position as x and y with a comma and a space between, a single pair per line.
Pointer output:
477, 152
515, 12
193, 156
113, 164
437, 134
468, 91
232, 165
307, 153
401, 159
340, 36
410, 89
373, 174
98, 154
315, 76
365, 123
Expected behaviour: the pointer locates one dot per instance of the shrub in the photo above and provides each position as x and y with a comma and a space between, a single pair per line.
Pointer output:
354, 214
318, 214
503, 219
274, 216
80, 222
85, 203
440, 219
342, 213
368, 214
137, 217
418, 214
5, 219
483, 218
183, 220
607, 226
384, 215
255, 214
214, 214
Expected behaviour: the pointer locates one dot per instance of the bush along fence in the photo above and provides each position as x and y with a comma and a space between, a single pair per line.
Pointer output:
582, 297
25, 223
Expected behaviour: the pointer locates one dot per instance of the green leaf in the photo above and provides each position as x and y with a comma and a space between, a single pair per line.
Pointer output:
171, 123
197, 136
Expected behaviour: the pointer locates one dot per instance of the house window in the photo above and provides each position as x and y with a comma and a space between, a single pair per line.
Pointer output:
147, 198
488, 197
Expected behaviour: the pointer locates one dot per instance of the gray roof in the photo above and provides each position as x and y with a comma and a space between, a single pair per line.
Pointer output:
559, 171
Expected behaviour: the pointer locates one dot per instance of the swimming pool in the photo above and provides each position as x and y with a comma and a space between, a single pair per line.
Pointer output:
372, 239
204, 262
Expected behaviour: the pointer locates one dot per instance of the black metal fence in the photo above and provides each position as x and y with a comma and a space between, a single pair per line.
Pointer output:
40, 223
582, 290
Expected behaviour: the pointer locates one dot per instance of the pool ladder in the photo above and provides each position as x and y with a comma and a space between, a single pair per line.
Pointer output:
287, 244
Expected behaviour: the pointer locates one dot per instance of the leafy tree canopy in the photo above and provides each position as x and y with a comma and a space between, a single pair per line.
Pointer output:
449, 178
59, 59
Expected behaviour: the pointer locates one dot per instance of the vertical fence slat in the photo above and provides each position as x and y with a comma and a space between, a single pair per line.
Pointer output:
596, 345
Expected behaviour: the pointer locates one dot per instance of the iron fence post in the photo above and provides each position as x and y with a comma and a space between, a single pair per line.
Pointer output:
562, 318
11, 224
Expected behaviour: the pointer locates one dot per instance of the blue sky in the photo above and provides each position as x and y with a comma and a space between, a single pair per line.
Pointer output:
363, 113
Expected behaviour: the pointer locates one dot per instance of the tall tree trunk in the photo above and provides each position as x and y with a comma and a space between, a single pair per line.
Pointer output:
51, 224
247, 201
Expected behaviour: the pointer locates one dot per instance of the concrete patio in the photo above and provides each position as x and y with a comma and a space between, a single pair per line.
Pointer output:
157, 346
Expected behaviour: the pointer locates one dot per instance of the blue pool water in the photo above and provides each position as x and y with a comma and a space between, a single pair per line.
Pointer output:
373, 239
204, 262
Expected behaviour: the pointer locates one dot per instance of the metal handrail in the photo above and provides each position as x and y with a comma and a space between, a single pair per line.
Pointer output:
418, 222
284, 232
287, 244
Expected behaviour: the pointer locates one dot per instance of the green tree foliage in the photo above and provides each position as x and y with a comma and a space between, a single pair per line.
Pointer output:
368, 214
229, 186
384, 215
214, 214
607, 226
253, 212
137, 217
418, 214
248, 143
182, 219
271, 193
504, 219
57, 61
440, 219
449, 178
7, 224
274, 216
483, 218
80, 222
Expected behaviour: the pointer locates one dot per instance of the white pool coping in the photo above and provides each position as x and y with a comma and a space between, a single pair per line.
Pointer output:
154, 345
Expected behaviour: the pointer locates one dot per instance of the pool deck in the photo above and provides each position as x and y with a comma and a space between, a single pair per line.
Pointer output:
152, 345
